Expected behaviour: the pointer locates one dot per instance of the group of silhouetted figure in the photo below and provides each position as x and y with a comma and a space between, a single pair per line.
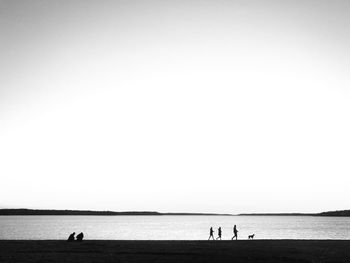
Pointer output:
235, 234
72, 237
80, 236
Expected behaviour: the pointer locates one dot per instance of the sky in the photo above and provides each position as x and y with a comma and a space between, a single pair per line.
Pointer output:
175, 106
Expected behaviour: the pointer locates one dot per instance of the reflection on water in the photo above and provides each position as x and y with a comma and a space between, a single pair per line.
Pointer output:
173, 227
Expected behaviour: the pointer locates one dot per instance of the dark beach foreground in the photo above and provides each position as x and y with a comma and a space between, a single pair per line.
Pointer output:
176, 251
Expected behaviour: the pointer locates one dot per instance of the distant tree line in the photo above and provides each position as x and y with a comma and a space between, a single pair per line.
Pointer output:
38, 212
69, 212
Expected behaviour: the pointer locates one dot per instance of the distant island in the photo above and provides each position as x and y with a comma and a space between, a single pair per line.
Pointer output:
328, 213
38, 212
335, 213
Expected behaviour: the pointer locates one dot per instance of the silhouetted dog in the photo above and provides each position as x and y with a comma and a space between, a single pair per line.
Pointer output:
251, 236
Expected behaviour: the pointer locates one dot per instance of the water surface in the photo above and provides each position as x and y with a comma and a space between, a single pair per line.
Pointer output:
173, 227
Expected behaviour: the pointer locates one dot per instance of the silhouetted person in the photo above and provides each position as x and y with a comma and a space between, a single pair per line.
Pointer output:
211, 233
80, 236
235, 233
219, 233
71, 237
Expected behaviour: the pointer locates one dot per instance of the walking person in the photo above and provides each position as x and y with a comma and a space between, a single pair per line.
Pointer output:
211, 233
235, 233
219, 233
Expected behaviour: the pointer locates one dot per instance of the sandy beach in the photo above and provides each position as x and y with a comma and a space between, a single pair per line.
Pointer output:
176, 251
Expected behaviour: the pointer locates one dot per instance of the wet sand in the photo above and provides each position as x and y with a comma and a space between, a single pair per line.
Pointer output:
176, 251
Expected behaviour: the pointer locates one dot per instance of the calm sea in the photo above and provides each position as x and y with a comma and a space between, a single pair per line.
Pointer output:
173, 227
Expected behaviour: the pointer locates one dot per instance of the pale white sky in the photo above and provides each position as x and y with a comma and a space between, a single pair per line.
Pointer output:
179, 106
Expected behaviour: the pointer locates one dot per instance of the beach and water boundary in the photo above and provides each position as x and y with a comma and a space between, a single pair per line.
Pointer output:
175, 251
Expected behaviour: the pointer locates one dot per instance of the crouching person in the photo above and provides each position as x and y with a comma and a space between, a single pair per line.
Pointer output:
71, 237
80, 236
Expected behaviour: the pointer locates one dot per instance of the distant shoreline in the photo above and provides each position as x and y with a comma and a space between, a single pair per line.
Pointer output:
48, 212
339, 213
281, 214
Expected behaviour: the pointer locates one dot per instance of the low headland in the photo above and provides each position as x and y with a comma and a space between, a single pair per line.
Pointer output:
24, 211
328, 213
